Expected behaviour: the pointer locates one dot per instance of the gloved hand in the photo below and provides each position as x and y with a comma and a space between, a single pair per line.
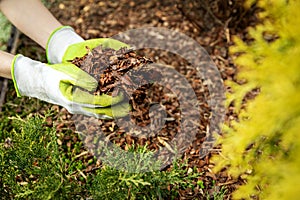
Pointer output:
63, 84
65, 45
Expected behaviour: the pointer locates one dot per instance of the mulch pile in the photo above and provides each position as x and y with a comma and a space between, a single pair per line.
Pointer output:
155, 118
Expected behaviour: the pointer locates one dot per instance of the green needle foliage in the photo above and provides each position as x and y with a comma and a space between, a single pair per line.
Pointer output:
34, 166
264, 146
30, 163
116, 183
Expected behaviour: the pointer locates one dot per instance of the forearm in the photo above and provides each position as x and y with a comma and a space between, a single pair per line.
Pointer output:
31, 17
5, 64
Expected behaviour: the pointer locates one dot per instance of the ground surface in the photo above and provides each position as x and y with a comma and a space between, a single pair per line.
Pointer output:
211, 23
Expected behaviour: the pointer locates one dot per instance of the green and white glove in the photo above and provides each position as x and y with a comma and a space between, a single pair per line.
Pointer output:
65, 45
63, 84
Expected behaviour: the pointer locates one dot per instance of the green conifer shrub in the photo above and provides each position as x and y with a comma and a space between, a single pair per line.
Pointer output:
34, 166
263, 146
31, 165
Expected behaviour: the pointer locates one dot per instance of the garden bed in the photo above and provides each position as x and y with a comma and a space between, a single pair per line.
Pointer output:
211, 27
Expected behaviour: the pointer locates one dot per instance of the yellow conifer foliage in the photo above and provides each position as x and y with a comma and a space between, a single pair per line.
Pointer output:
271, 122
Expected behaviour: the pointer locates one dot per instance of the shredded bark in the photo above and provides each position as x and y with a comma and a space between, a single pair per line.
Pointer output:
122, 71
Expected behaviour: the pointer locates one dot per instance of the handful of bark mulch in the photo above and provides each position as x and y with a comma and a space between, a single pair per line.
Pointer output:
109, 65
121, 71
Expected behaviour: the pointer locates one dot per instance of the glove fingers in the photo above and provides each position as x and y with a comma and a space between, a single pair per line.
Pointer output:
80, 77
119, 110
98, 100
83, 97
79, 49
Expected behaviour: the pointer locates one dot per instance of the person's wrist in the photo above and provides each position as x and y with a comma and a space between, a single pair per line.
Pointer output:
59, 41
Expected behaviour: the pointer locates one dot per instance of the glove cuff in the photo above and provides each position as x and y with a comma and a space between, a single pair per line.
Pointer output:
59, 41
13, 74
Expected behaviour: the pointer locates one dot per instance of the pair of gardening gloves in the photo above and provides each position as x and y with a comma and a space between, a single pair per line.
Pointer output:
62, 83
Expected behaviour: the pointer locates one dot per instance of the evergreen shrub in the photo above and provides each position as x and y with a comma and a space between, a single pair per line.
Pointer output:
263, 145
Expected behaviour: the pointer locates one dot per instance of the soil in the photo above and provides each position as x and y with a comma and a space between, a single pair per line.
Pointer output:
212, 24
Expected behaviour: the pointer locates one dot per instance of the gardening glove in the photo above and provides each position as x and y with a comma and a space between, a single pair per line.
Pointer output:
65, 45
65, 85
